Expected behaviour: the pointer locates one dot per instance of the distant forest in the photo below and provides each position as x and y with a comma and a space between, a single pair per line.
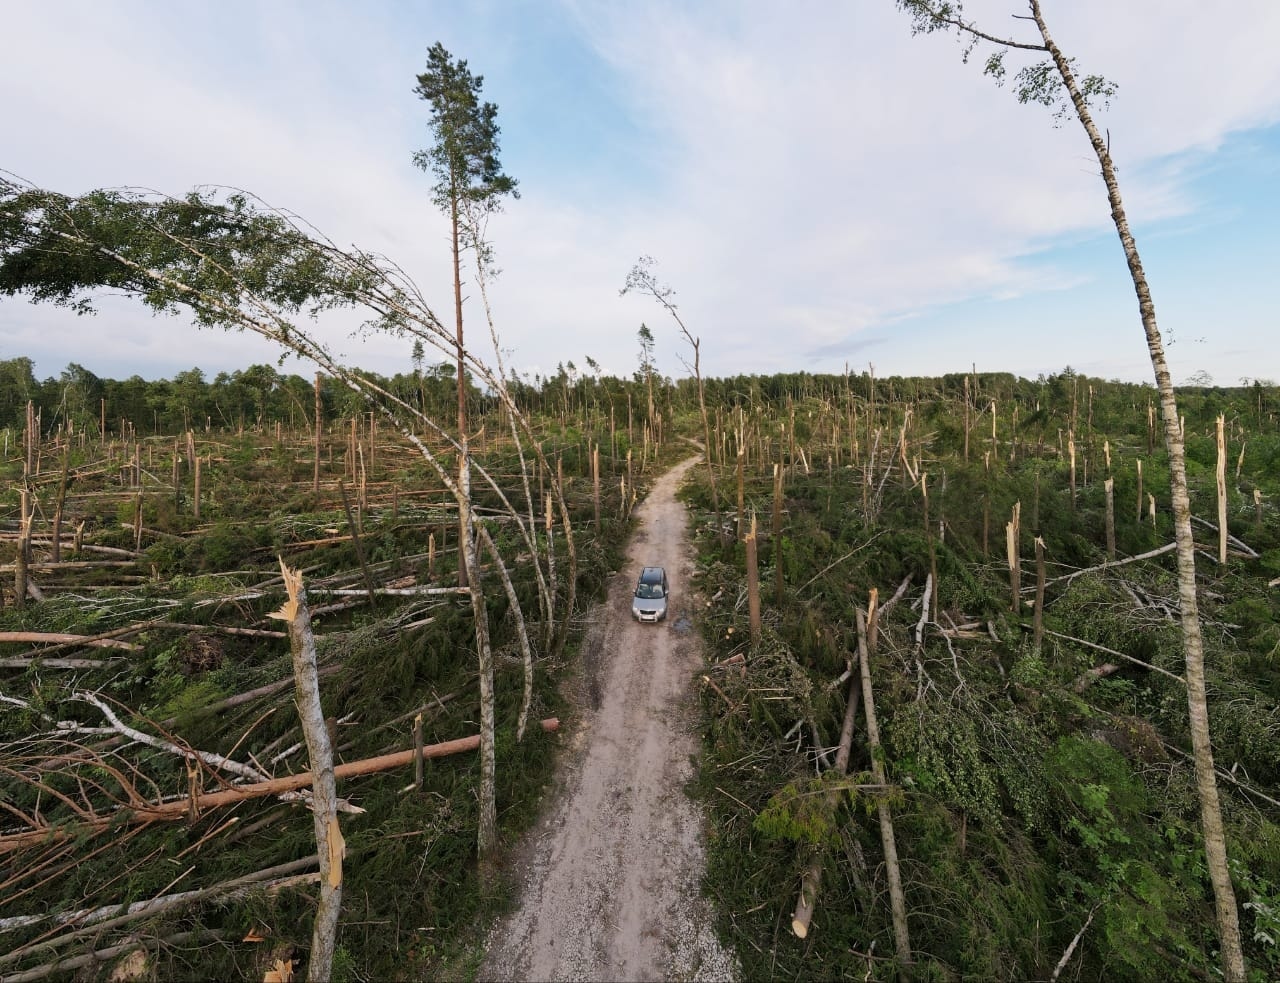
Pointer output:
260, 395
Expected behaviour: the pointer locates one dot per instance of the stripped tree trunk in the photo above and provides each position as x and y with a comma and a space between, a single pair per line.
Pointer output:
487, 832
1038, 617
330, 847
62, 499
22, 556
522, 633
811, 882
1141, 500
742, 518
753, 580
315, 466
777, 534
1233, 964
1012, 531
897, 901
1221, 475
1109, 488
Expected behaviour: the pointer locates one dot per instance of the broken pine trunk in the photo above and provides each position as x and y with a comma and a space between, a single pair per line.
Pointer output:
324, 796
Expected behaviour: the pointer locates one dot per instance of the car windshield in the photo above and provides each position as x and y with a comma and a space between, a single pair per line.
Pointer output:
649, 591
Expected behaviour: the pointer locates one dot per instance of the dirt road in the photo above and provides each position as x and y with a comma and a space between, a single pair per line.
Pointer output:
611, 873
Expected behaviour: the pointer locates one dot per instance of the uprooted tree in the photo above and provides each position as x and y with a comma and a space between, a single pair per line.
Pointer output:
239, 265
1053, 81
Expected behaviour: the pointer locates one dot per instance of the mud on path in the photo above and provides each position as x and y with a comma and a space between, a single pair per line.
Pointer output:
610, 878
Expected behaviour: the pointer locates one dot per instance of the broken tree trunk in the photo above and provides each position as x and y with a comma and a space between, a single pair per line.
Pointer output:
812, 879
1012, 529
88, 641
324, 793
777, 535
897, 902
526, 651
1221, 474
753, 581
56, 531
179, 809
1038, 617
1109, 490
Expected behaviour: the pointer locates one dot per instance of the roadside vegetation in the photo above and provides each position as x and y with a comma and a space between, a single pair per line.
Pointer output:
1039, 780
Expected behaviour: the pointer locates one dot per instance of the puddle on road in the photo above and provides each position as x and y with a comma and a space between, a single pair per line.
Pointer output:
682, 625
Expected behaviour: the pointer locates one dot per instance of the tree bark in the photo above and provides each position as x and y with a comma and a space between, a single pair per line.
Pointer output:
315, 465
753, 581
1038, 617
526, 651
56, 532
812, 879
178, 809
330, 846
1221, 476
487, 831
464, 531
779, 589
1233, 964
897, 901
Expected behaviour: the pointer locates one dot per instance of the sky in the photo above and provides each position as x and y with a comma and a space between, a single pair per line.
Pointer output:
822, 191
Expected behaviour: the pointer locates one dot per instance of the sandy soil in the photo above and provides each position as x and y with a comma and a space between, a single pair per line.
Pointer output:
611, 873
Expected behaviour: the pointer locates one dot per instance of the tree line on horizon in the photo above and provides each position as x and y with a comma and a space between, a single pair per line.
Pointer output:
262, 395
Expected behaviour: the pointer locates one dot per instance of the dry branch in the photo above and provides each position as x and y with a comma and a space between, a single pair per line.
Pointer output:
207, 757
142, 909
1238, 544
169, 811
1150, 554
99, 956
1120, 655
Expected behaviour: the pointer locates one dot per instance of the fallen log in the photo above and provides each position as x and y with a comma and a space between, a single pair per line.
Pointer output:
55, 663
180, 808
71, 565
897, 901
121, 913
99, 956
65, 639
1091, 676
812, 879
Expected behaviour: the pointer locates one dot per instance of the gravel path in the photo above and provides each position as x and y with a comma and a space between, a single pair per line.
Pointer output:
611, 875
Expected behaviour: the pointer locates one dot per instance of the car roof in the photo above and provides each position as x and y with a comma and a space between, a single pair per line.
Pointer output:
652, 575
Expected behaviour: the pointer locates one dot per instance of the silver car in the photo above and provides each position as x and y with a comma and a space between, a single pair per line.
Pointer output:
650, 601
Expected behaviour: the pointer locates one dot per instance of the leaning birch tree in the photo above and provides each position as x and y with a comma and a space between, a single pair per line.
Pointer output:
1052, 81
237, 265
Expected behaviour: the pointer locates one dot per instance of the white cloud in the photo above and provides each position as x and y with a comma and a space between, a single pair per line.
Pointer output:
815, 183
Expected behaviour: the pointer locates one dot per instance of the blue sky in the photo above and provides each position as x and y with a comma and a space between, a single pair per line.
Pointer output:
820, 188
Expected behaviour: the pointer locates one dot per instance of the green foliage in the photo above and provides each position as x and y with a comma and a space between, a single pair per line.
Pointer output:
940, 750
804, 811
464, 157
